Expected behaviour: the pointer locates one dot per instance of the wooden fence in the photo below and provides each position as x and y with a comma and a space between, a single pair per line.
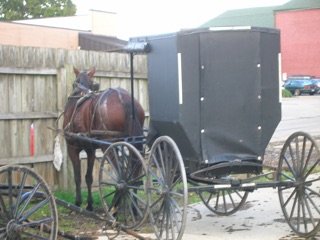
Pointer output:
35, 83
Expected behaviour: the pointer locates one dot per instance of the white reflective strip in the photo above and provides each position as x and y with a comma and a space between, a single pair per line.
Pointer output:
248, 185
280, 77
230, 28
180, 79
222, 186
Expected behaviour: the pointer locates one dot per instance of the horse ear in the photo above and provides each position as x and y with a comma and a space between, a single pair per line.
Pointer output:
76, 71
91, 72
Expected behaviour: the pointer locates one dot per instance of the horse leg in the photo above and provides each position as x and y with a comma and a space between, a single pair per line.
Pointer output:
75, 159
89, 178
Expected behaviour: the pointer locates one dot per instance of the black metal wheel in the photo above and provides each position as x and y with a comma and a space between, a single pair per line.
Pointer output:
121, 183
223, 202
27, 207
299, 173
167, 189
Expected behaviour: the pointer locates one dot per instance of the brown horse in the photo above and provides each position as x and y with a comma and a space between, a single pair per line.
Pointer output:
105, 115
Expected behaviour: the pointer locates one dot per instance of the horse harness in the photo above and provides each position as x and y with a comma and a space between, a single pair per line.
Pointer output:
86, 94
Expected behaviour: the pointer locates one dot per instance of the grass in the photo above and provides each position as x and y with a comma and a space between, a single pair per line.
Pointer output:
69, 196
286, 93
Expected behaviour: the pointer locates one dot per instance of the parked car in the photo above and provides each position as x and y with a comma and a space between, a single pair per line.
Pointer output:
297, 87
297, 77
316, 81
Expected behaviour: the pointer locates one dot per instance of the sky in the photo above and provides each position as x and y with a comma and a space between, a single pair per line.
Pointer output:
152, 17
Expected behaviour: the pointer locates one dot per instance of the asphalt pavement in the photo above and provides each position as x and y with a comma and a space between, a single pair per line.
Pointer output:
301, 113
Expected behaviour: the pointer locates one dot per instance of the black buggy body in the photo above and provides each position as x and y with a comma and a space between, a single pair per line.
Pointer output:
215, 92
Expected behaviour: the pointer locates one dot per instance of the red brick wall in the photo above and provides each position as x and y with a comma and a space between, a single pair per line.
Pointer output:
300, 41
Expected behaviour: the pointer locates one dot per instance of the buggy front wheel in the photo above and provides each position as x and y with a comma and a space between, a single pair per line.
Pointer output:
121, 183
167, 189
299, 177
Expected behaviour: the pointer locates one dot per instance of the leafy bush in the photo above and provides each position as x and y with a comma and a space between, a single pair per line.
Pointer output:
286, 93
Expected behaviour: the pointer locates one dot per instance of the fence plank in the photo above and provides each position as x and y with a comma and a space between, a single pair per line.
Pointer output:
4, 86
28, 115
28, 71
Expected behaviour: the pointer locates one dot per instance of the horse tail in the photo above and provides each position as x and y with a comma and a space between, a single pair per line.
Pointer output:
133, 125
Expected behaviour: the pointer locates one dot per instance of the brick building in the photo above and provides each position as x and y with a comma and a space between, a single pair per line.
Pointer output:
299, 22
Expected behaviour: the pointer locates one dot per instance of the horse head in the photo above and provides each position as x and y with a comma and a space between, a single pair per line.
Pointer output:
83, 80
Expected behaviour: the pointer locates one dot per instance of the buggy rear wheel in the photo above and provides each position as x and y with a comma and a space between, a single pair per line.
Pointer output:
167, 189
223, 202
121, 183
27, 207
299, 173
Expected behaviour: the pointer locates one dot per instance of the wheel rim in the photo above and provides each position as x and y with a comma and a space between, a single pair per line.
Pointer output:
299, 191
122, 192
223, 202
27, 207
297, 92
167, 189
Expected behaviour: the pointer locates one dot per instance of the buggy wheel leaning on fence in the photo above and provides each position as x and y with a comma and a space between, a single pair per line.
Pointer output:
299, 165
27, 207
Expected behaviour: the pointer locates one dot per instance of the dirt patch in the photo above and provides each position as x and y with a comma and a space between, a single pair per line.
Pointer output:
76, 224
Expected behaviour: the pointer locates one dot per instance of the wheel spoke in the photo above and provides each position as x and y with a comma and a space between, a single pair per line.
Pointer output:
22, 184
314, 205
291, 167
33, 209
311, 149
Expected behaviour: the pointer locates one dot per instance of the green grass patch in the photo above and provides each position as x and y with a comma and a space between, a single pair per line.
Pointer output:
70, 196
286, 93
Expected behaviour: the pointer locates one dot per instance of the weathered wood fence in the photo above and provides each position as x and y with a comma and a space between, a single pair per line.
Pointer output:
35, 83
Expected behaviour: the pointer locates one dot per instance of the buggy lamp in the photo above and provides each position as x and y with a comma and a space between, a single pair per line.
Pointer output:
134, 47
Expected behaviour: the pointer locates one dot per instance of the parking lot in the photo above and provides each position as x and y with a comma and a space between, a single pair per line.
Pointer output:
300, 113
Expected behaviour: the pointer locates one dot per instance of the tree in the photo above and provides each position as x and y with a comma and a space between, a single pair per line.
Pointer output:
26, 9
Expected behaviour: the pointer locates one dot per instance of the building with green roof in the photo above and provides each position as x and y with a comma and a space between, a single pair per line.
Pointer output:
256, 17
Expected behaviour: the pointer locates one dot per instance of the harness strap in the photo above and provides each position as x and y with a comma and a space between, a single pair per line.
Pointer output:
95, 110
105, 131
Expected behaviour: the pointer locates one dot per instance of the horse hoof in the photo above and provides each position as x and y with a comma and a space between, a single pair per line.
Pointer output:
89, 208
73, 213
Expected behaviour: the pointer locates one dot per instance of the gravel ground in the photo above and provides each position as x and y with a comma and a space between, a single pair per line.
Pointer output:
273, 151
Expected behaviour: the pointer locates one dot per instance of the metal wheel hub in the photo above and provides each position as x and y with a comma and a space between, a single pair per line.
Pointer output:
121, 186
13, 229
163, 192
